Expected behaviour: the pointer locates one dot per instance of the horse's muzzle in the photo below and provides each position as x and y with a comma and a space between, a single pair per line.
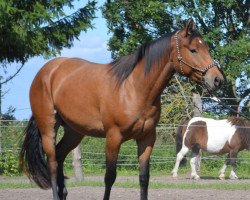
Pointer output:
218, 82
213, 82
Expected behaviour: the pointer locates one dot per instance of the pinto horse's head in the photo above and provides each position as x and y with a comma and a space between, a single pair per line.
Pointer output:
192, 58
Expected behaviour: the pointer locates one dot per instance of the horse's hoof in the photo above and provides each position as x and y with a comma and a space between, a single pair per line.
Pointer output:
65, 193
175, 175
195, 177
222, 177
233, 177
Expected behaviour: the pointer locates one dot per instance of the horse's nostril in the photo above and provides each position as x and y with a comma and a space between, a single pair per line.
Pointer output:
217, 81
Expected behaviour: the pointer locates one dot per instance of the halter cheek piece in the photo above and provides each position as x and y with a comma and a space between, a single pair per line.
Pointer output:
202, 70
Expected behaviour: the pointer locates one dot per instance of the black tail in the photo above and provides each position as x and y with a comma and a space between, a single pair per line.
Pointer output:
179, 141
32, 158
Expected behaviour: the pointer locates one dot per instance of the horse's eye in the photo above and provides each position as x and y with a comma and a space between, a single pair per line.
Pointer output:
193, 50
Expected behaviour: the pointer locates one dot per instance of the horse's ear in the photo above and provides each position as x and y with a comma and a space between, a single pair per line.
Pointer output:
189, 27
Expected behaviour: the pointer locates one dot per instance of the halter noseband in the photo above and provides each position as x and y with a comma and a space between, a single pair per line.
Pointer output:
202, 70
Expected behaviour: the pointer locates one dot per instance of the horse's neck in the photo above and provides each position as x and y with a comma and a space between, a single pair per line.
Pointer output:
152, 84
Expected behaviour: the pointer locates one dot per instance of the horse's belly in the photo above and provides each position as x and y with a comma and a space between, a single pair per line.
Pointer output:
215, 146
83, 122
219, 138
94, 130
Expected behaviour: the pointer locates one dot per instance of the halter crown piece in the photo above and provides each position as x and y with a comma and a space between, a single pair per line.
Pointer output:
203, 70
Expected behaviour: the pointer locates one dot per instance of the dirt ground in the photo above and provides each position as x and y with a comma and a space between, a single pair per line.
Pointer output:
96, 193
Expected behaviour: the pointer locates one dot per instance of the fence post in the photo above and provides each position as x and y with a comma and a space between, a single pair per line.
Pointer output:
77, 164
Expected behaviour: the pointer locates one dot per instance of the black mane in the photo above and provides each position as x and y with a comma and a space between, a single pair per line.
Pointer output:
152, 52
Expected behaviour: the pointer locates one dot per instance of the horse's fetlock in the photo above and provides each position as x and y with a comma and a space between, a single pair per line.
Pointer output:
144, 179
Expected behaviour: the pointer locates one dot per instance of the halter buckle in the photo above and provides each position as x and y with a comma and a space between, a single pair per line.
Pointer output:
179, 58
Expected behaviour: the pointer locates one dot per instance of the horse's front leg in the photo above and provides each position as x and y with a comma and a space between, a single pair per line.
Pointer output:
145, 147
179, 157
113, 143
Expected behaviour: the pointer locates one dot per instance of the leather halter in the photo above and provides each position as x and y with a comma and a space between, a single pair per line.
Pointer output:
202, 70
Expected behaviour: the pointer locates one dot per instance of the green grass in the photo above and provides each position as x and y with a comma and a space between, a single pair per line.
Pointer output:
153, 185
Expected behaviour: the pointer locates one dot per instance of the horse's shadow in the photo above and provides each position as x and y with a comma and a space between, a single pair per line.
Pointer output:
209, 178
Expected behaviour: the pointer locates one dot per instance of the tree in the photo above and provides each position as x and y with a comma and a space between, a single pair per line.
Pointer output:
223, 24
32, 28
9, 115
133, 23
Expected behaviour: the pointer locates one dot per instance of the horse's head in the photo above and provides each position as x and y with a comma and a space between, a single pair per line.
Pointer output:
192, 58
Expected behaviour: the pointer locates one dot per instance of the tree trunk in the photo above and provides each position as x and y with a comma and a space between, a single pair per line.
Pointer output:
0, 116
197, 113
76, 154
197, 104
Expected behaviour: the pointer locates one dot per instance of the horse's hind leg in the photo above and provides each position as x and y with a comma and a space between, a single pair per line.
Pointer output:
69, 141
193, 162
46, 124
198, 161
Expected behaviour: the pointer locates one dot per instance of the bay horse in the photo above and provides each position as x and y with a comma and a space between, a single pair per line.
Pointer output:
117, 101
229, 136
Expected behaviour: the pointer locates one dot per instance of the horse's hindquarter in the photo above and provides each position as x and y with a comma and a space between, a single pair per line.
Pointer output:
76, 93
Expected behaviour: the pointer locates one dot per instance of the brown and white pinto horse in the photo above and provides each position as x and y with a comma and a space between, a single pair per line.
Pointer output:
214, 136
117, 101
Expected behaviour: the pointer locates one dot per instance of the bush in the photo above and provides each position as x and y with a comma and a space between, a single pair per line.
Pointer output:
9, 163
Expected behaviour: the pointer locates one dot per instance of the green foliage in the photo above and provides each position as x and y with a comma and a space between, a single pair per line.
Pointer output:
12, 133
33, 28
134, 22
9, 163
176, 107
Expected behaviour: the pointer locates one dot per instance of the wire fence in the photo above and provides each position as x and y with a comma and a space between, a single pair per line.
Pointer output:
93, 150
237, 99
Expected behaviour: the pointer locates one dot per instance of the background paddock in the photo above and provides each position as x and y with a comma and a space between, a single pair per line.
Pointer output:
93, 159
